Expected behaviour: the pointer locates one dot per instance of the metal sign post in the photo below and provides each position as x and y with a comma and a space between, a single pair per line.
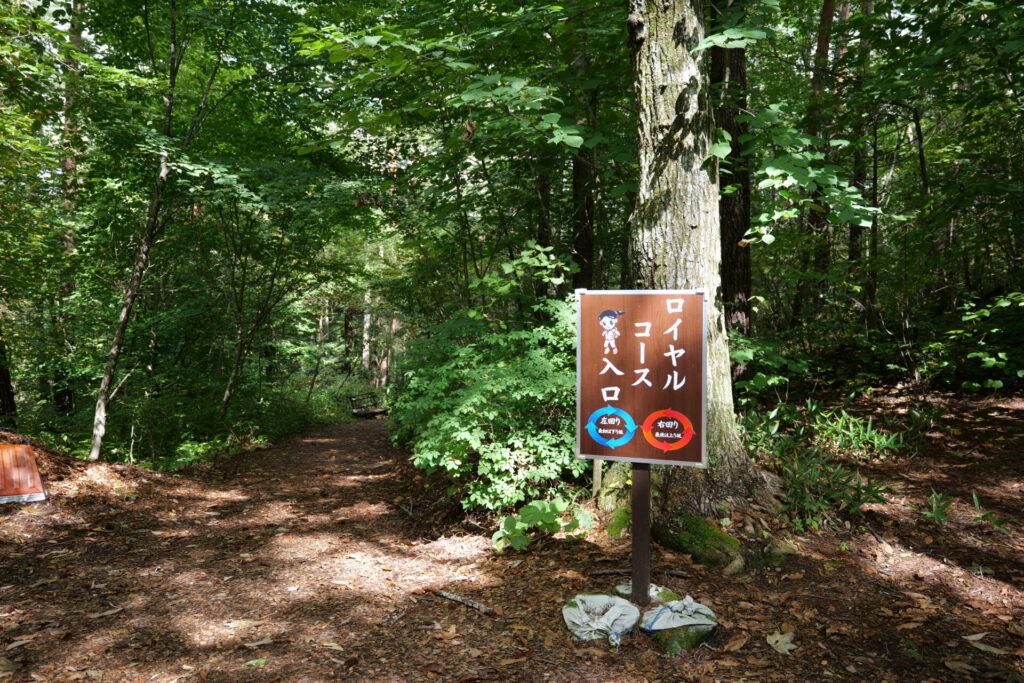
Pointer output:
641, 368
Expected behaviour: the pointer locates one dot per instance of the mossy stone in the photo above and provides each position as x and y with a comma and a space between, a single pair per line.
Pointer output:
620, 521
672, 641
698, 537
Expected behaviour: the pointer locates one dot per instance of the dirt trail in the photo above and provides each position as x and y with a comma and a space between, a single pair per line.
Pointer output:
313, 561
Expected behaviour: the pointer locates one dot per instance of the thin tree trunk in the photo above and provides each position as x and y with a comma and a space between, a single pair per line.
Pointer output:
367, 326
153, 226
584, 183
154, 218
385, 364
321, 335
241, 351
871, 280
8, 405
149, 234
855, 249
676, 236
729, 74
816, 264
63, 394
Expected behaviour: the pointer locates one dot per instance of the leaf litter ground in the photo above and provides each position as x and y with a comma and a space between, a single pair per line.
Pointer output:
319, 559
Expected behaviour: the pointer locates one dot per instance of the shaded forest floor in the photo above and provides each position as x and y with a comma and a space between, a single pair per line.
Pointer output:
317, 560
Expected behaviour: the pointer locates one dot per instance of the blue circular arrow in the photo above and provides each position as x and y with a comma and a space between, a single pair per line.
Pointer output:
627, 421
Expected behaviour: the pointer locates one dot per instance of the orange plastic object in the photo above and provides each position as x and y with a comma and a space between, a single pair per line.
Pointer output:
19, 477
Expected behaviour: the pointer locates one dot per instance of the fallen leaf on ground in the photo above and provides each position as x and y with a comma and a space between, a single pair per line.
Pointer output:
959, 667
989, 648
240, 623
265, 641
909, 625
976, 636
509, 662
334, 646
256, 662
736, 643
17, 643
97, 615
781, 642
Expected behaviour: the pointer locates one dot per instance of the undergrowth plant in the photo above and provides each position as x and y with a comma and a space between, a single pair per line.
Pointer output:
938, 507
802, 442
853, 436
990, 517
817, 487
491, 403
540, 518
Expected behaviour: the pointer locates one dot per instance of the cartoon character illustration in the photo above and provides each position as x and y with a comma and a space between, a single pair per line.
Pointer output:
608, 320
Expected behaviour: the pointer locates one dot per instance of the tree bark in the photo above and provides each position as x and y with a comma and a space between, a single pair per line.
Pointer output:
816, 264
729, 74
367, 326
63, 394
677, 240
584, 184
8, 405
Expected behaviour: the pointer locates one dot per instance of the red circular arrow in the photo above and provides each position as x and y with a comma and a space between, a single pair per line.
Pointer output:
648, 428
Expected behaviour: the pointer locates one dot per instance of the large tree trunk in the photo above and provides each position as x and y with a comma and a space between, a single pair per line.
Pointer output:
676, 238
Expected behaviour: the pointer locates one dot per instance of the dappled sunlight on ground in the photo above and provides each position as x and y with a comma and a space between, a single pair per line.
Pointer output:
319, 560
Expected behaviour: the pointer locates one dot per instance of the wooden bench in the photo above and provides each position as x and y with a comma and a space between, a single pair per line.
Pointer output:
366, 405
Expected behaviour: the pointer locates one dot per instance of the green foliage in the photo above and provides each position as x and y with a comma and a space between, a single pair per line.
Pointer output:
816, 487
802, 443
493, 409
544, 517
490, 402
990, 517
984, 351
768, 367
939, 504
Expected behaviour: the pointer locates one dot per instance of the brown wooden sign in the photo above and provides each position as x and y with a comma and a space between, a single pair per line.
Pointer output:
19, 476
640, 368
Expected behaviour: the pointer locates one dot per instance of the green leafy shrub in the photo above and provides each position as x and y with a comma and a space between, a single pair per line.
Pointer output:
983, 351
543, 516
494, 408
768, 367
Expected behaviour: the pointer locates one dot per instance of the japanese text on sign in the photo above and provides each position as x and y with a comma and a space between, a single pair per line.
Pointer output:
640, 376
